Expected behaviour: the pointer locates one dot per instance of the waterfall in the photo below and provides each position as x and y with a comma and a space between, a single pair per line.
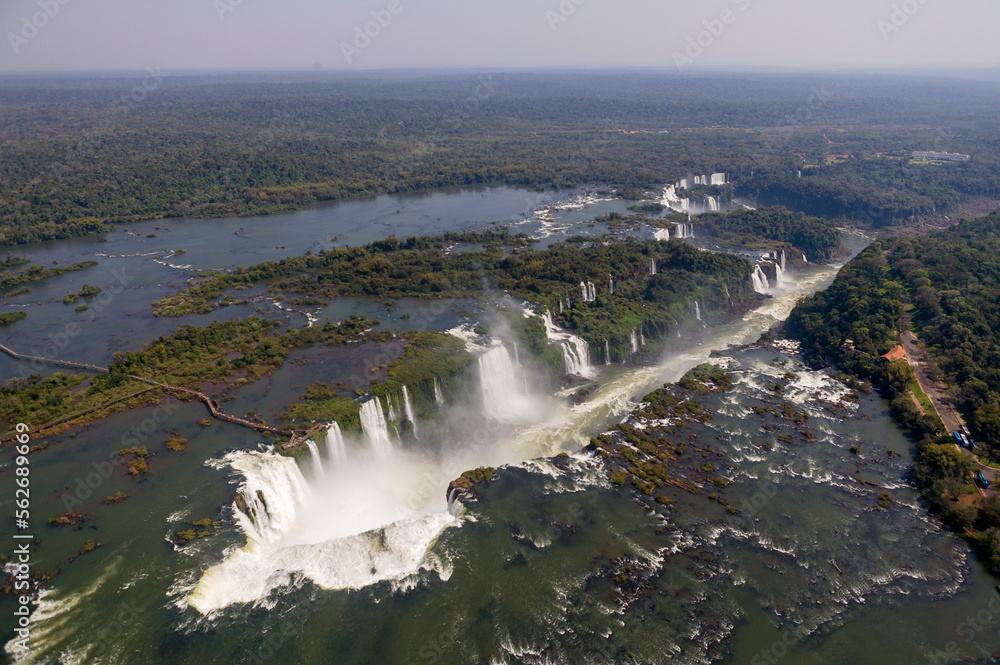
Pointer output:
317, 462
634, 342
783, 268
652, 267
718, 178
589, 291
438, 397
779, 273
504, 393
670, 195
393, 409
683, 183
713, 205
759, 279
375, 428
272, 493
683, 231
804, 259
697, 310
408, 408
642, 338
454, 507
607, 352
561, 310
611, 285
336, 451
576, 351
364, 524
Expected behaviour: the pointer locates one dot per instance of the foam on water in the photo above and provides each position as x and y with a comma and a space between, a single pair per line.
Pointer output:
362, 524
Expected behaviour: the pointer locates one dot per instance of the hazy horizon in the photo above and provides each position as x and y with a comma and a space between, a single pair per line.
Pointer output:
303, 35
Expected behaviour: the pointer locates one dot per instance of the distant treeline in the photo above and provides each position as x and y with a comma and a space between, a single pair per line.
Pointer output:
75, 157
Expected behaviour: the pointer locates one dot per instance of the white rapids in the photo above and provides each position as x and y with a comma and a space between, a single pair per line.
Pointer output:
377, 510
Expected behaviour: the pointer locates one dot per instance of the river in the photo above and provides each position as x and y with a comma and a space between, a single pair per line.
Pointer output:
524, 575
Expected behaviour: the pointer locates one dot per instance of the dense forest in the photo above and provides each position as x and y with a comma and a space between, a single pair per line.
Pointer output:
952, 281
552, 278
776, 228
77, 154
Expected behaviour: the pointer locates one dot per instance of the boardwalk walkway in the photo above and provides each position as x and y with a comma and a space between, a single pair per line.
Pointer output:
212, 405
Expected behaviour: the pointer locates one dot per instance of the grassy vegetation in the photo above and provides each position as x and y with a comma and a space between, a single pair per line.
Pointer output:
36, 273
238, 351
9, 318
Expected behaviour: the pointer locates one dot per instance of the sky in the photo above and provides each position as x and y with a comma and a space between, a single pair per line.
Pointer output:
179, 35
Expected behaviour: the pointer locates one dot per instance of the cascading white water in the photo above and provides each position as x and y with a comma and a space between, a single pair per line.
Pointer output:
589, 291
804, 259
759, 279
576, 351
670, 196
336, 451
361, 524
779, 274
652, 266
634, 341
684, 231
360, 527
316, 460
607, 352
697, 310
718, 178
611, 285
783, 268
438, 397
713, 204
375, 428
642, 337
408, 409
504, 387
392, 409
